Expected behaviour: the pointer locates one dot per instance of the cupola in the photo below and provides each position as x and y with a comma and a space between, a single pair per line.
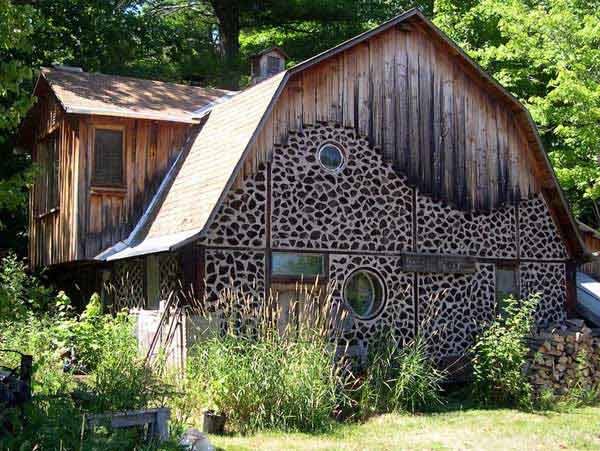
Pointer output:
267, 63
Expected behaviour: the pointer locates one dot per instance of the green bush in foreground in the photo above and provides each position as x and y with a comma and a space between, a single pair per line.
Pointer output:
20, 293
500, 357
105, 349
265, 373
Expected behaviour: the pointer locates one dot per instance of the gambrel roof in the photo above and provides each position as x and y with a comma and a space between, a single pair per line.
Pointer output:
110, 95
187, 204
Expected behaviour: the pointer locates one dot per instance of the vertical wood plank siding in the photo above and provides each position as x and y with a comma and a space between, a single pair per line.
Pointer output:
415, 101
89, 220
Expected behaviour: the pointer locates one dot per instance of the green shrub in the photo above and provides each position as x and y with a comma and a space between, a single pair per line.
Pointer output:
43, 337
93, 332
20, 292
117, 377
398, 379
500, 356
120, 379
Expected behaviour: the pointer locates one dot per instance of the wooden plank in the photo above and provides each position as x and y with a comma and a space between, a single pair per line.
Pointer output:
401, 100
447, 127
350, 86
309, 95
336, 97
363, 89
437, 135
323, 92
426, 120
414, 114
388, 121
375, 91
426, 263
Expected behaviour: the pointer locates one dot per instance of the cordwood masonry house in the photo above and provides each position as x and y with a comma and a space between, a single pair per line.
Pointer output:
390, 164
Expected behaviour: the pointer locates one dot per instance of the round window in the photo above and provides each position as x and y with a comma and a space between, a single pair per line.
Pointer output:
364, 293
331, 157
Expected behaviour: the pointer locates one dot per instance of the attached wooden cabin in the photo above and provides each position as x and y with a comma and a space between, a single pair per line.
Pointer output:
103, 145
390, 165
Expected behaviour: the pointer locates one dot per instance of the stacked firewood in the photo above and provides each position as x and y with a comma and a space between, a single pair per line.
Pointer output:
563, 357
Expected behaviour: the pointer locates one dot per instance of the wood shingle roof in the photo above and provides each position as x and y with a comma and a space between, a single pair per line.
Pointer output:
111, 95
206, 171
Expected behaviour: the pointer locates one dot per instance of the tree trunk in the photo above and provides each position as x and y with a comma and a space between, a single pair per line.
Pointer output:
228, 15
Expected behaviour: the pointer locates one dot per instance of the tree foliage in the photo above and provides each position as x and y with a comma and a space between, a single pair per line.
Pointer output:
547, 53
234, 26
15, 71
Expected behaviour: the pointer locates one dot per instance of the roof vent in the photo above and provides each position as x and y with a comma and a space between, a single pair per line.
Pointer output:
67, 68
267, 63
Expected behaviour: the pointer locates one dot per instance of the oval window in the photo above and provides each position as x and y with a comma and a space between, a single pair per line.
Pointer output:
363, 292
331, 157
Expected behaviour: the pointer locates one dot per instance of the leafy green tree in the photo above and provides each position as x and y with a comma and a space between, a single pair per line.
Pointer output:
303, 27
547, 53
112, 36
15, 48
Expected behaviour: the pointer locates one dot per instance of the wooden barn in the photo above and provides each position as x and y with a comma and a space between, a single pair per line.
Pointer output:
391, 165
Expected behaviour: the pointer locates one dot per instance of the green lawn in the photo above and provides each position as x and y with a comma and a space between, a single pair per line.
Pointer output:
459, 430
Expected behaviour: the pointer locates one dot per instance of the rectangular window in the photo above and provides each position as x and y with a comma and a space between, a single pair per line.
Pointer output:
108, 158
47, 179
297, 265
507, 284
273, 65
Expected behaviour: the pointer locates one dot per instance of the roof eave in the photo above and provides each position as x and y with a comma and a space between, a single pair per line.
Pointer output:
130, 114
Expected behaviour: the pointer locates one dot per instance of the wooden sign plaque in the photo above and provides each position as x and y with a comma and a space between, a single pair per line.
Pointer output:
438, 264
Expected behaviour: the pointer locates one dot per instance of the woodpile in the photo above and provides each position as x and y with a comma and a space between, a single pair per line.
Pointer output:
563, 357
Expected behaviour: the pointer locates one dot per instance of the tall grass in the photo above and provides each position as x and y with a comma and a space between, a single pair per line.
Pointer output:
263, 373
400, 374
269, 369
399, 379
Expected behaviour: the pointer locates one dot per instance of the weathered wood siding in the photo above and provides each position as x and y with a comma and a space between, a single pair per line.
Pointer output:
51, 234
108, 215
430, 115
89, 219
593, 244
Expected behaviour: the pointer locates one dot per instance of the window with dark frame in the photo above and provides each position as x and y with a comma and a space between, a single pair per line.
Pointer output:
108, 158
364, 293
507, 285
289, 265
331, 157
273, 65
47, 179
